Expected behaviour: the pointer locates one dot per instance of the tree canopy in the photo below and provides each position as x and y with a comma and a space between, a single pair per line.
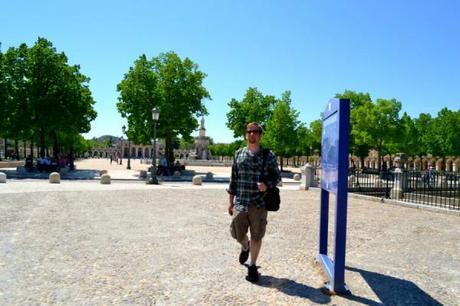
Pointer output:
254, 107
167, 82
44, 98
281, 128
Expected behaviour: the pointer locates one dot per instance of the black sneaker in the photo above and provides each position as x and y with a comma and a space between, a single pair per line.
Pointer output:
244, 255
253, 274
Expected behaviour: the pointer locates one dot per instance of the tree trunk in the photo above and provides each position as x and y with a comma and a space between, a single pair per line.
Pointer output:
168, 147
42, 142
32, 148
24, 144
6, 148
281, 162
16, 149
55, 144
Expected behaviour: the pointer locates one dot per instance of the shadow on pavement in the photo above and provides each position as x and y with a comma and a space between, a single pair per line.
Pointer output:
293, 288
389, 290
83, 174
392, 291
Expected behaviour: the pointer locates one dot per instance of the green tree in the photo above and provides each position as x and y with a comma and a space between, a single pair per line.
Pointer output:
186, 143
407, 140
3, 92
220, 150
281, 128
173, 85
16, 108
377, 125
254, 107
235, 145
446, 132
304, 141
60, 96
92, 143
316, 128
425, 134
357, 100
45, 96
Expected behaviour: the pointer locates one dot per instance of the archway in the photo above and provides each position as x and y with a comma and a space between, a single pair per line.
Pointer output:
449, 163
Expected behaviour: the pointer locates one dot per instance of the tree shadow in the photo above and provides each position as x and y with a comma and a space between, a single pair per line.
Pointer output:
83, 174
292, 288
392, 291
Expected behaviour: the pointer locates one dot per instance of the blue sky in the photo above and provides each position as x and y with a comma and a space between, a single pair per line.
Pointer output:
408, 50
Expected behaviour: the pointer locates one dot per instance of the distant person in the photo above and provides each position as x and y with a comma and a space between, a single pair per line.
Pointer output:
163, 168
29, 163
71, 161
246, 205
41, 163
177, 166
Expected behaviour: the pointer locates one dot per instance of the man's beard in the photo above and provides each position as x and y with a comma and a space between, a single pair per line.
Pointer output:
252, 141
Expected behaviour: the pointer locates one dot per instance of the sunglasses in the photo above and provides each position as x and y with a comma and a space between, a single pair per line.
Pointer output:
253, 131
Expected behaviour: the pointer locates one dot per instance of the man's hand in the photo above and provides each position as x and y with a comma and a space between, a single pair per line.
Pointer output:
230, 209
262, 187
231, 201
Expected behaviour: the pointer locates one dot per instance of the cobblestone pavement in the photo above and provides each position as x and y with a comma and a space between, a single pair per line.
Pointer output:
85, 243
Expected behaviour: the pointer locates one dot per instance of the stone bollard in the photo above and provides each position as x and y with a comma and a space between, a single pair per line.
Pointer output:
55, 178
2, 177
442, 181
143, 174
105, 179
102, 172
351, 181
296, 177
400, 182
197, 180
210, 175
176, 173
307, 179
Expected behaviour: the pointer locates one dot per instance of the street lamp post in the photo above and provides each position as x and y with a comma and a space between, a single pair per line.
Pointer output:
121, 151
153, 176
129, 148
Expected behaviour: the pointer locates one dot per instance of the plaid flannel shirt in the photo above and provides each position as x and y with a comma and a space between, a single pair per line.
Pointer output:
246, 172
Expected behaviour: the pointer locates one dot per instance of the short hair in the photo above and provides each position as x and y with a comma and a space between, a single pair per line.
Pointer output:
259, 126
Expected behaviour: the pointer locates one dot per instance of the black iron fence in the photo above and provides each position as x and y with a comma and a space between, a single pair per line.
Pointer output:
434, 188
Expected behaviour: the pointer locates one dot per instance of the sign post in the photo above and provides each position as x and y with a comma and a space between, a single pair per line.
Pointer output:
334, 178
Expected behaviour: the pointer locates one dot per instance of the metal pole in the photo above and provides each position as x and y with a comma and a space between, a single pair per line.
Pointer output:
153, 178
129, 154
122, 152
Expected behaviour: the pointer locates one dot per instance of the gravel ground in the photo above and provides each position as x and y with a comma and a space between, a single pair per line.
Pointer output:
170, 245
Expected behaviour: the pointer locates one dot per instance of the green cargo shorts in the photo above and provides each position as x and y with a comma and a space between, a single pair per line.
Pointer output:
255, 219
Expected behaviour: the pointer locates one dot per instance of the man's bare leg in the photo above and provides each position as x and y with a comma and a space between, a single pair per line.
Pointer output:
245, 243
255, 249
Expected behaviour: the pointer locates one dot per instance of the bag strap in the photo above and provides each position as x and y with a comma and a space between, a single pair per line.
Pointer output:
264, 161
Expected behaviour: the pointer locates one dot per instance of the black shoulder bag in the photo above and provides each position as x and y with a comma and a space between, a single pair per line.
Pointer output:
271, 197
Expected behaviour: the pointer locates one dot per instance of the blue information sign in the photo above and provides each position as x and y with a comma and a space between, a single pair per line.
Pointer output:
334, 178
330, 153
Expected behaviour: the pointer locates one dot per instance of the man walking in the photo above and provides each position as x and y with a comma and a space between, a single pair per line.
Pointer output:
247, 184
